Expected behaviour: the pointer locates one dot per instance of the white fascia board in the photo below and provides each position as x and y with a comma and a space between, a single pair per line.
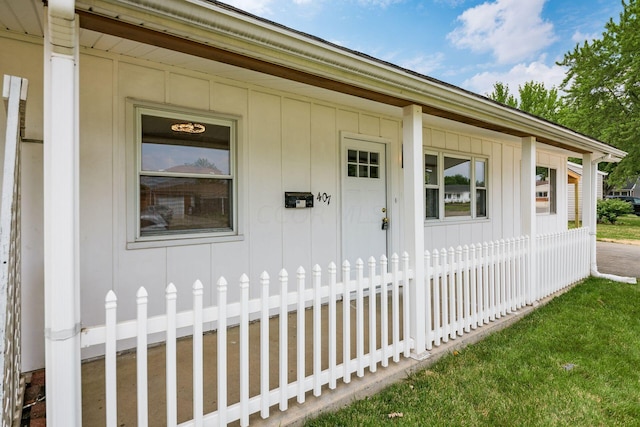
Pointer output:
577, 168
212, 24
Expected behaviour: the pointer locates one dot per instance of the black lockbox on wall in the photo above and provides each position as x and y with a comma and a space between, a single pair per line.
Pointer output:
296, 199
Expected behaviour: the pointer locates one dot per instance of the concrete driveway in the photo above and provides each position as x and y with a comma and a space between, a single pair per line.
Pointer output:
617, 258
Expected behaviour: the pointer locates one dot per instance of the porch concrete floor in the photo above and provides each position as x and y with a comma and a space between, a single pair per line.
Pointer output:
93, 381
93, 401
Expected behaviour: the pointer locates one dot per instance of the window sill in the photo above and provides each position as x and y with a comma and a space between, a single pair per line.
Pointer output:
440, 222
161, 242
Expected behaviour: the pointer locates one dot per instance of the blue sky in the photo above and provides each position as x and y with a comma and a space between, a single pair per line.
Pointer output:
468, 43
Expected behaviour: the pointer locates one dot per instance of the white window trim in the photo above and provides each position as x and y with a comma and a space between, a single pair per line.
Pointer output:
134, 110
441, 205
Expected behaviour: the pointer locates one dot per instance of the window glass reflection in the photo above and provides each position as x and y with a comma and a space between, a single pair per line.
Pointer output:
457, 187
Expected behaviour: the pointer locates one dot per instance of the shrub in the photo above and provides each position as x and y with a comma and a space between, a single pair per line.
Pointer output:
608, 210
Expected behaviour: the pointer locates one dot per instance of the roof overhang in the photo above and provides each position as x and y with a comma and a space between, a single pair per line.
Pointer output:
218, 32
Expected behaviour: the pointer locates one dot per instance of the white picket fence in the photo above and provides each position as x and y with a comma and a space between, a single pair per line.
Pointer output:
562, 259
470, 286
466, 288
364, 290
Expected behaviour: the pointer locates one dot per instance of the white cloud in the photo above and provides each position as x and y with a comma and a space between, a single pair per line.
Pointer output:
424, 64
512, 30
580, 37
517, 76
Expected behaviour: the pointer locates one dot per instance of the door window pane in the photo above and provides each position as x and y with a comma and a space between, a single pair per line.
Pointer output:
363, 164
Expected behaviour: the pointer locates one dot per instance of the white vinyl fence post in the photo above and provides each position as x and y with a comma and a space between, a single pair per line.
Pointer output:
141, 357
407, 306
332, 326
360, 317
373, 324
244, 350
111, 376
384, 312
264, 346
395, 308
428, 280
317, 330
171, 373
301, 328
284, 344
346, 322
198, 387
222, 351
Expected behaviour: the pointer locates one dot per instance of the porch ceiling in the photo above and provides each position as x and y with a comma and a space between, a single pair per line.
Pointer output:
214, 38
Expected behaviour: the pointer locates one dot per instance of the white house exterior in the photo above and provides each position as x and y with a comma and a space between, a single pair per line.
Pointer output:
576, 170
371, 144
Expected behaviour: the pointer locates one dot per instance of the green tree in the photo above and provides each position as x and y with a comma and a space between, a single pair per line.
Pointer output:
456, 179
501, 94
602, 87
204, 163
533, 98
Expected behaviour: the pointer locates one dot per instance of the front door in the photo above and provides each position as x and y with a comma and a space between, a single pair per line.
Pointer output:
364, 199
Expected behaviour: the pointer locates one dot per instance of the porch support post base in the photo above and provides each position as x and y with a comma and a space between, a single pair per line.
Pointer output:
420, 356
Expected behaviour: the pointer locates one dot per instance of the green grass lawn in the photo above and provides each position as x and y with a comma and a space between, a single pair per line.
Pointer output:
626, 228
573, 362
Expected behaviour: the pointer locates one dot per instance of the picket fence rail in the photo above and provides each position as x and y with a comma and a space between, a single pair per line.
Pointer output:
387, 284
465, 288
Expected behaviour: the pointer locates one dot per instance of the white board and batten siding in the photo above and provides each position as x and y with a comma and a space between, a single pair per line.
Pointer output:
285, 143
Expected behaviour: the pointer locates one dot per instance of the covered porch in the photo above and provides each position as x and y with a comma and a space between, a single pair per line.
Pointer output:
400, 309
315, 341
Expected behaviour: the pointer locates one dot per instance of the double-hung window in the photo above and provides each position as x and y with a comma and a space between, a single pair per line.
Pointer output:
185, 174
545, 190
455, 186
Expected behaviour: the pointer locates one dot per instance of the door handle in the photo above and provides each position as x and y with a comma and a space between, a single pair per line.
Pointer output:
385, 223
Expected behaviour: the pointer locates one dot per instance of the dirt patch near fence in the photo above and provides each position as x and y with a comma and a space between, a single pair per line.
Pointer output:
621, 241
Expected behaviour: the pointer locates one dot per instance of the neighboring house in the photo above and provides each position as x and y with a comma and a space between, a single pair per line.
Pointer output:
631, 188
125, 93
574, 187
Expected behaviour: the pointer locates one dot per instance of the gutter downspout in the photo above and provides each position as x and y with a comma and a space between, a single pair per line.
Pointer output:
591, 173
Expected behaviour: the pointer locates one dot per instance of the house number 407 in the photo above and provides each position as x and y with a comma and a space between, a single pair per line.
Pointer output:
324, 198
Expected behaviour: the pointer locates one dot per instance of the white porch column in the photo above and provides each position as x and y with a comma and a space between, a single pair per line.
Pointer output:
414, 220
61, 215
528, 211
589, 191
